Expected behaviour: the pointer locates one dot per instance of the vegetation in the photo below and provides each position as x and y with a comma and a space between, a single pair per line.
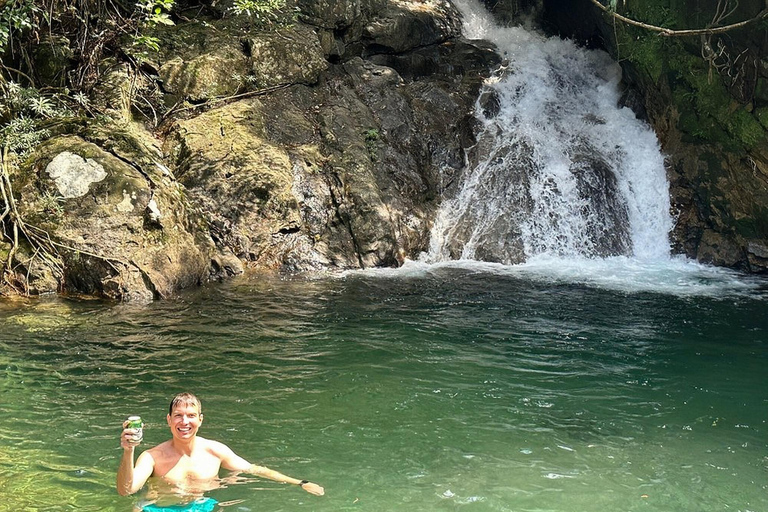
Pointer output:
371, 137
52, 55
707, 70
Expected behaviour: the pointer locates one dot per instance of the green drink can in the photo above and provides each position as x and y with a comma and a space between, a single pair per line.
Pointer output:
136, 423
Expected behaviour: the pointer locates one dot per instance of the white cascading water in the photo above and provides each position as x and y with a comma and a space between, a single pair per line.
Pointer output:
563, 185
557, 108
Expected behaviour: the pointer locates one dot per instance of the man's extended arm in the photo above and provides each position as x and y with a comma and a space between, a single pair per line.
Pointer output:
233, 462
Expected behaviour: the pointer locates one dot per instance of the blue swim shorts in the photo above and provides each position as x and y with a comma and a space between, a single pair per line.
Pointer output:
199, 505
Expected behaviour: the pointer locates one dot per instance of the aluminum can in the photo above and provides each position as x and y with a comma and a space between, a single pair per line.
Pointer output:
136, 423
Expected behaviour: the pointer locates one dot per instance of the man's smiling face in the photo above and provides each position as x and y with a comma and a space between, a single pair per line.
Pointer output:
184, 421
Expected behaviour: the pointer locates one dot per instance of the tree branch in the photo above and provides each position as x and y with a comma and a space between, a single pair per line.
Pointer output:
681, 33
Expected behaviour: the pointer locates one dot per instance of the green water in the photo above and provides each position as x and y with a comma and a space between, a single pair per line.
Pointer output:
455, 390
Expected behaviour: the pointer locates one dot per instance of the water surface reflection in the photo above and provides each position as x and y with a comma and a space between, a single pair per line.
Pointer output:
424, 392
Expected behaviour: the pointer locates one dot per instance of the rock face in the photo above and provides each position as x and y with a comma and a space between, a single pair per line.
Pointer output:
327, 146
120, 222
707, 99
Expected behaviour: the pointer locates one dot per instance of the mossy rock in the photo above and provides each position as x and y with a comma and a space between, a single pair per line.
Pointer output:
285, 57
761, 114
120, 234
52, 60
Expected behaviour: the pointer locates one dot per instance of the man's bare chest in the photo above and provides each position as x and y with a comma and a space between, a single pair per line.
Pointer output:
186, 468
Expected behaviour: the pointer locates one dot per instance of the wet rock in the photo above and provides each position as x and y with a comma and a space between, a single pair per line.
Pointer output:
242, 182
285, 57
52, 60
405, 25
506, 173
331, 14
490, 103
716, 249
607, 219
513, 12
757, 255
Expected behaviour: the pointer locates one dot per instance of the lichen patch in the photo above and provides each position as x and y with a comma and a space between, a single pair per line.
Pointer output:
74, 174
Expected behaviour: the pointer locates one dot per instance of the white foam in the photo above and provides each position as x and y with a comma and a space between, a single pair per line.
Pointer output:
673, 276
556, 100
575, 87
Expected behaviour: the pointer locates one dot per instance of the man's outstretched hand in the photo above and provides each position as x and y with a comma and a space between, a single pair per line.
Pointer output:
313, 488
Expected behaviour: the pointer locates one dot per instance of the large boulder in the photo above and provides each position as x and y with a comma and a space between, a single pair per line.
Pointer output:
327, 147
243, 183
110, 219
346, 172
409, 24
201, 61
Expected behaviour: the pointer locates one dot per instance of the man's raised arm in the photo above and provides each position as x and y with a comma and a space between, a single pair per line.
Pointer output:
131, 478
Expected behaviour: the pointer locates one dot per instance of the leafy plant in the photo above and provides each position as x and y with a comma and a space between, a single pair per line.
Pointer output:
257, 8
52, 205
155, 12
264, 12
151, 13
15, 17
371, 137
21, 135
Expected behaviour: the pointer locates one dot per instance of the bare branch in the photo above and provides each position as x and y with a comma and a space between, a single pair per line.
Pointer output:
681, 33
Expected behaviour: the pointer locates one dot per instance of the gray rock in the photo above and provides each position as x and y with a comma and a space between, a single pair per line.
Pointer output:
105, 243
73, 174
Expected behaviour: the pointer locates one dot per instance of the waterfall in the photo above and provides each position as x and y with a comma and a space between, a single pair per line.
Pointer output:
559, 169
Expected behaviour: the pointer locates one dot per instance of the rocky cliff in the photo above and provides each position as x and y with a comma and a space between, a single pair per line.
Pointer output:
327, 141
324, 142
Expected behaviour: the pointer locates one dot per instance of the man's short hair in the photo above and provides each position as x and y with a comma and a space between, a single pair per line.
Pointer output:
185, 399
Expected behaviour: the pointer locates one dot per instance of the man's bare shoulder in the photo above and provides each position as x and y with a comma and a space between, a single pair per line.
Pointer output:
159, 452
215, 447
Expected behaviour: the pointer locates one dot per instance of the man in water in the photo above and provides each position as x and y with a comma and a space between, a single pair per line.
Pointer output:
187, 460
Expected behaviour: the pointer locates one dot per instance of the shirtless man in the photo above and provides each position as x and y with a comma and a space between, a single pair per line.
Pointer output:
187, 459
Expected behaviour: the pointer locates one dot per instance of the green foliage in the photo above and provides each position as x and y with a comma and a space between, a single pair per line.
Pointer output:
707, 109
371, 137
745, 128
720, 118
762, 116
147, 43
653, 12
155, 12
264, 12
645, 53
22, 135
151, 13
257, 8
15, 17
26, 111
643, 48
247, 82
51, 205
